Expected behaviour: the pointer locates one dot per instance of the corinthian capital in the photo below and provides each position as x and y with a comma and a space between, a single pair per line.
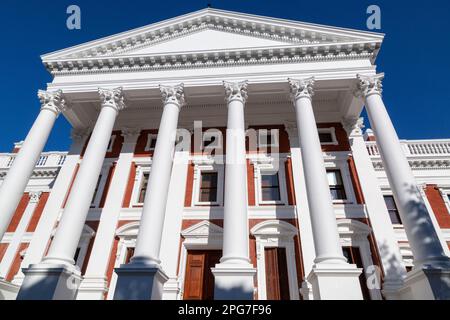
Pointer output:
53, 101
112, 98
173, 94
368, 85
353, 125
301, 88
236, 91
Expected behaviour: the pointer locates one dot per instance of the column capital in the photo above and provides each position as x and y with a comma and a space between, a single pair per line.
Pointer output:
368, 85
236, 91
130, 135
301, 88
112, 98
34, 196
173, 94
53, 101
78, 134
353, 125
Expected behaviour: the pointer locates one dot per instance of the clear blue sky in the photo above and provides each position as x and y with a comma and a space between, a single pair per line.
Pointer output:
415, 54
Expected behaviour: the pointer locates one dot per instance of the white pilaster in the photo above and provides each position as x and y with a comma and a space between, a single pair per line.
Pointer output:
94, 284
386, 242
144, 267
331, 276
234, 275
59, 261
302, 208
14, 245
422, 236
12, 188
170, 245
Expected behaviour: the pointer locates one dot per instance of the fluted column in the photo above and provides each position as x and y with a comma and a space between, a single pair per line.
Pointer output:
12, 188
148, 242
234, 274
332, 277
422, 236
70, 227
143, 278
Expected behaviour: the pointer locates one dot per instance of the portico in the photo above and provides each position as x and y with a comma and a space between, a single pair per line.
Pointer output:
234, 72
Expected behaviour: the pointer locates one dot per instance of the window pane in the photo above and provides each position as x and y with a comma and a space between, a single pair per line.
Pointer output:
392, 209
334, 178
269, 180
209, 180
390, 203
208, 195
338, 194
143, 189
271, 194
325, 137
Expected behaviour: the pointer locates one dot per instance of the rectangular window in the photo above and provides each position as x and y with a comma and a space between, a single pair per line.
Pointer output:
325, 137
270, 187
208, 187
96, 191
336, 185
151, 142
143, 188
392, 209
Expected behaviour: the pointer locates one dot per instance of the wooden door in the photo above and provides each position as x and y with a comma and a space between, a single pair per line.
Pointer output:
199, 280
353, 256
277, 281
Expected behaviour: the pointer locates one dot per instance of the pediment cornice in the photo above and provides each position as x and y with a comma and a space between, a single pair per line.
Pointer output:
293, 42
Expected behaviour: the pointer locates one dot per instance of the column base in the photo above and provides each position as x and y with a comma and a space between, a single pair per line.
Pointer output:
171, 289
137, 281
306, 291
335, 282
391, 289
92, 288
234, 281
426, 284
50, 282
8, 291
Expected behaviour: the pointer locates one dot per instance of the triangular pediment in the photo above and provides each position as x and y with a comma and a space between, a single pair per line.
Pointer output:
211, 34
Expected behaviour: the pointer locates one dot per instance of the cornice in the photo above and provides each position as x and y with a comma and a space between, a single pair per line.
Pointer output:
212, 59
419, 164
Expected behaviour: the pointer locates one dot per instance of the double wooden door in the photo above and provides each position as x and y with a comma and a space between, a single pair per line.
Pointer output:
199, 280
277, 281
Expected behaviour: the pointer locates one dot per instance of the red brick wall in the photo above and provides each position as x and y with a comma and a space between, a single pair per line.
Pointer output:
129, 188
355, 180
19, 213
438, 205
38, 212
16, 262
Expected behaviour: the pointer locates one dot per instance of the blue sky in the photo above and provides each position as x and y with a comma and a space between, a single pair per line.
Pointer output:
414, 55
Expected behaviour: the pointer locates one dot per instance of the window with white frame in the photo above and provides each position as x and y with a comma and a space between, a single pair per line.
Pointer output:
143, 187
445, 192
268, 138
111, 143
140, 184
151, 142
336, 184
327, 136
208, 182
97, 187
270, 186
392, 209
208, 187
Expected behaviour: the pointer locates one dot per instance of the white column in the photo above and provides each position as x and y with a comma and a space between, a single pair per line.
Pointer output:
332, 276
94, 283
144, 269
148, 242
49, 279
12, 188
386, 242
234, 274
16, 240
70, 227
41, 236
422, 236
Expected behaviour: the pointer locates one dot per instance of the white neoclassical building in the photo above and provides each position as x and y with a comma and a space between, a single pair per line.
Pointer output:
220, 155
